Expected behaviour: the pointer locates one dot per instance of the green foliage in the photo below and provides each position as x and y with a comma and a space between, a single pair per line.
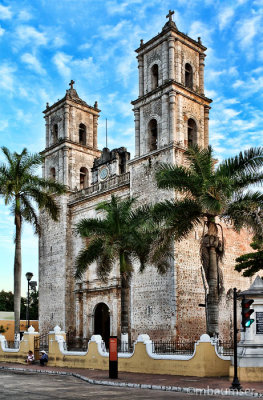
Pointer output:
19, 186
7, 304
220, 191
6, 301
122, 233
251, 263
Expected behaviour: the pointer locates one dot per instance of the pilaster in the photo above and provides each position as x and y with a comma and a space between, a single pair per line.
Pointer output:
172, 115
95, 131
206, 126
141, 75
66, 119
171, 44
137, 132
201, 72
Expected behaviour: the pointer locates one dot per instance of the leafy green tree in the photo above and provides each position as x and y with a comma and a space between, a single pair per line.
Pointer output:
122, 235
6, 301
21, 188
205, 193
33, 306
251, 263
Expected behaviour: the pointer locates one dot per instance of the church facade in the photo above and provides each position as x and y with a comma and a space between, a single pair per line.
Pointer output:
170, 113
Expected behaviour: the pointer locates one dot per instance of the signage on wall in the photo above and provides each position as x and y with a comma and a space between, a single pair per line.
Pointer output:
259, 323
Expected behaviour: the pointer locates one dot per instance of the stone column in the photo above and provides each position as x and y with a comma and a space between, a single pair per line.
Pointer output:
137, 131
47, 131
43, 169
165, 119
172, 115
165, 61
66, 121
141, 80
201, 72
95, 131
171, 57
206, 126
65, 166
178, 62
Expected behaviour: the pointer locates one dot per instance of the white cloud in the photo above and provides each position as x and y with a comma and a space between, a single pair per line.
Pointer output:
200, 29
24, 15
7, 77
33, 63
5, 12
3, 124
85, 46
62, 60
27, 34
109, 31
225, 16
247, 30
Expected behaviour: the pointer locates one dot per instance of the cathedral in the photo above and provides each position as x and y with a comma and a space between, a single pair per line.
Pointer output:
170, 113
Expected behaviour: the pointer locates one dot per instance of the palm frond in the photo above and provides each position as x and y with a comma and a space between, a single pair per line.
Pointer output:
201, 161
249, 161
87, 256
28, 213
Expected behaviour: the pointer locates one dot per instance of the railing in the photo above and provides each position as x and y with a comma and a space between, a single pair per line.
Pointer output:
125, 347
75, 343
185, 348
40, 343
12, 344
224, 348
102, 186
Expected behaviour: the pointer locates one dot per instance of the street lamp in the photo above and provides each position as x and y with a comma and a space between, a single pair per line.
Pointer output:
29, 276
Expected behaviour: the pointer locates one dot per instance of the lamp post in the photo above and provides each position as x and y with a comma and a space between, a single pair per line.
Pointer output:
29, 276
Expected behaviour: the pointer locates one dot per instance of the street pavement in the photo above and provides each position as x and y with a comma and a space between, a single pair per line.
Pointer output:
19, 385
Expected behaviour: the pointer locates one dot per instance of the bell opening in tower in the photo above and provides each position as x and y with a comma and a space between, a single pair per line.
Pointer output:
153, 135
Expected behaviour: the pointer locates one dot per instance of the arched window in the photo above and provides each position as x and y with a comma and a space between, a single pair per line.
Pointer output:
53, 174
82, 134
188, 76
155, 76
83, 178
55, 133
192, 132
152, 131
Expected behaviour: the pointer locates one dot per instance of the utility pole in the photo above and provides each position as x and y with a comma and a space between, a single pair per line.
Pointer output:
235, 384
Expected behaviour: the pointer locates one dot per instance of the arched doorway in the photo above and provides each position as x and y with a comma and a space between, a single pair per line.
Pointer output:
102, 322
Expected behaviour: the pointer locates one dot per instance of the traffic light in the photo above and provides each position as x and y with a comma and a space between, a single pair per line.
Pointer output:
246, 313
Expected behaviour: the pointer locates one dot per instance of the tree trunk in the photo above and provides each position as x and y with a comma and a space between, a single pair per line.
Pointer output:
125, 304
213, 296
17, 273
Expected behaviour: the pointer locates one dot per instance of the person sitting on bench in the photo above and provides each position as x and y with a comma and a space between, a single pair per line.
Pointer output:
44, 358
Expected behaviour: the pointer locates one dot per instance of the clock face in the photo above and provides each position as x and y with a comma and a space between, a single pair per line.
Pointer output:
104, 172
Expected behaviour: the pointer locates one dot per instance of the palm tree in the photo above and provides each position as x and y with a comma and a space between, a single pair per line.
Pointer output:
21, 188
205, 193
123, 235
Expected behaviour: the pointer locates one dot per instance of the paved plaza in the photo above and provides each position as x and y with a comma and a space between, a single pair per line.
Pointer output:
31, 386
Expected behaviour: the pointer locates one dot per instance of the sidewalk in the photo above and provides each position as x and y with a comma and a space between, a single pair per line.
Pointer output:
144, 381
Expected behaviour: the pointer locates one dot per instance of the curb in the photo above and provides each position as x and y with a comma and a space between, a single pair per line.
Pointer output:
190, 390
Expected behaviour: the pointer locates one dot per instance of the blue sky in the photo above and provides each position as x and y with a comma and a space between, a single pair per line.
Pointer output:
46, 43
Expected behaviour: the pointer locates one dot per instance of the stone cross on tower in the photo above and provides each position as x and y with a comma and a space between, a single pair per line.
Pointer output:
71, 83
170, 15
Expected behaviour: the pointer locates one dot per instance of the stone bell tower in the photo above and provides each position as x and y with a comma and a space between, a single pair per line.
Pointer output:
71, 147
71, 140
171, 113
171, 107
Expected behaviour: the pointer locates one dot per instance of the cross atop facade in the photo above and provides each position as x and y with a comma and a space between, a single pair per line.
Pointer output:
71, 83
170, 15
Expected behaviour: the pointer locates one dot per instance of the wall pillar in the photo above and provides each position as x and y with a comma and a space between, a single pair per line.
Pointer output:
95, 131
178, 62
165, 61
201, 72
172, 114
141, 80
137, 131
171, 44
47, 132
66, 121
206, 126
65, 166
165, 119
